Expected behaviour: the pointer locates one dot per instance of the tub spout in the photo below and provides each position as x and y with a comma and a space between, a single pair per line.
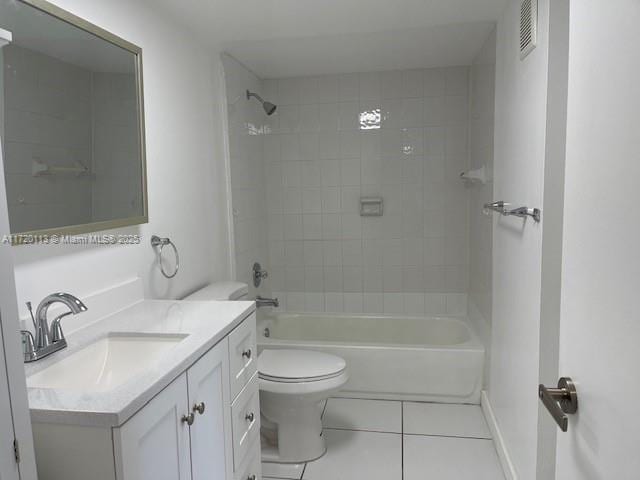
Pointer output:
267, 302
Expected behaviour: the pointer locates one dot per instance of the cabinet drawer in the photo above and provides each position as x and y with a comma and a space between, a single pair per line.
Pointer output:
245, 421
243, 355
251, 468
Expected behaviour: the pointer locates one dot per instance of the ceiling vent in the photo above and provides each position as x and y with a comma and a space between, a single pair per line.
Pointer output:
528, 26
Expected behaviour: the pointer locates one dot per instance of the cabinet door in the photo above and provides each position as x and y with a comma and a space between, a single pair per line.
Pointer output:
208, 381
154, 443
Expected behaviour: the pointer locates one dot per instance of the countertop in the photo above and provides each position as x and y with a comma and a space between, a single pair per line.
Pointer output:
205, 323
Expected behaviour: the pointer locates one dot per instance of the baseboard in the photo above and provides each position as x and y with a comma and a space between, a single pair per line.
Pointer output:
498, 440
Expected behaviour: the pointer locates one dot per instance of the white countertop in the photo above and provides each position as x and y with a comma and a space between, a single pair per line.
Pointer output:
205, 323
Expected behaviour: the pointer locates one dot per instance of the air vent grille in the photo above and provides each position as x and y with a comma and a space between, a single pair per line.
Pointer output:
528, 26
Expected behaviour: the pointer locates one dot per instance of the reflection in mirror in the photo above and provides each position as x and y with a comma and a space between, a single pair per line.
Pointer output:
70, 123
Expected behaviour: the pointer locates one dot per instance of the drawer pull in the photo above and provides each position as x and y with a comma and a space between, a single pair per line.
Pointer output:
247, 353
188, 419
251, 477
199, 407
249, 417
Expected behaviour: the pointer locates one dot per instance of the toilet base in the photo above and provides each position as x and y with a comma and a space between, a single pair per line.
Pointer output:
270, 454
294, 438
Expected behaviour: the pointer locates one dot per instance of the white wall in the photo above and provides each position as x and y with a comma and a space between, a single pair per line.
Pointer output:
248, 124
521, 98
322, 156
185, 170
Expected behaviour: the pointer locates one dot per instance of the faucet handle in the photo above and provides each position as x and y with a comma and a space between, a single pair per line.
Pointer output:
56, 329
28, 344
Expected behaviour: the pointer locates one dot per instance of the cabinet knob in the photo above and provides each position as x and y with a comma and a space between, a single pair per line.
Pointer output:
199, 407
188, 419
251, 477
249, 417
247, 353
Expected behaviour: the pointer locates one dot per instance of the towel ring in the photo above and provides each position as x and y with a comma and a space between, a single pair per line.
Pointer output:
156, 241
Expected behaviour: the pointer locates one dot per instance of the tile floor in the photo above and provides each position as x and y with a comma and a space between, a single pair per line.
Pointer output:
388, 440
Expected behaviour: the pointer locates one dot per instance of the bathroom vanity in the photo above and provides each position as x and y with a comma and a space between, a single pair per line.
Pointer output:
161, 390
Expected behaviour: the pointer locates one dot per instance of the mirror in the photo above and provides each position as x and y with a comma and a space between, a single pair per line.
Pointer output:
71, 123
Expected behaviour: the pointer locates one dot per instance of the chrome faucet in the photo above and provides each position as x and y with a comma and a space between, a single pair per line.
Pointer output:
49, 339
267, 302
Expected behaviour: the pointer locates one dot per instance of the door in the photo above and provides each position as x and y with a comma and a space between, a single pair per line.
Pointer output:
600, 314
154, 443
208, 382
8, 465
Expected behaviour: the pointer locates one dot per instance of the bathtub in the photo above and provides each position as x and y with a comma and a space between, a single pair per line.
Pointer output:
437, 359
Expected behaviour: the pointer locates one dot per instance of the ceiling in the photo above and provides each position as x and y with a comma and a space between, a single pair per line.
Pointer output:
278, 38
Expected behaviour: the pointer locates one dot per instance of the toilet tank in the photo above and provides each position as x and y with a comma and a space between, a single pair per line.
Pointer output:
220, 291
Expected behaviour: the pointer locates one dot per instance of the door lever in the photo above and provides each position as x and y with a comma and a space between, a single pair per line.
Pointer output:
560, 401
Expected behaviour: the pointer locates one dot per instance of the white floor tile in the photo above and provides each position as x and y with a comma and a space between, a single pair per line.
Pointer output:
445, 419
448, 458
282, 470
351, 455
368, 415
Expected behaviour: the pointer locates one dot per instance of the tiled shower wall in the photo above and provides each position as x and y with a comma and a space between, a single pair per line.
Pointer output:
401, 135
247, 126
481, 129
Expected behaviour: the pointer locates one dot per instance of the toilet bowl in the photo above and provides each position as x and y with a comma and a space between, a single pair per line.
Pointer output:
293, 387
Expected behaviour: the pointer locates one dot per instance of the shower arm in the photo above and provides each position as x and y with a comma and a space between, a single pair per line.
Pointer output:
251, 94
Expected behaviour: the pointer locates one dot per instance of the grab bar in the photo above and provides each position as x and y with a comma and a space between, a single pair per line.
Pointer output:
501, 207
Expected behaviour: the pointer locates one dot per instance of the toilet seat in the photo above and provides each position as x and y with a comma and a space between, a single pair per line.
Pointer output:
295, 366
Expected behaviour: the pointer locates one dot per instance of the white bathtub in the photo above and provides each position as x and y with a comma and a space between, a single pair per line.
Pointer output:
424, 359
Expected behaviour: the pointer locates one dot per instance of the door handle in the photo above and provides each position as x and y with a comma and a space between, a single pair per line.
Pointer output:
560, 401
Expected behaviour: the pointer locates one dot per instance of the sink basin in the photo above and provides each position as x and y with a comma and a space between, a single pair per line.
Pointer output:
106, 363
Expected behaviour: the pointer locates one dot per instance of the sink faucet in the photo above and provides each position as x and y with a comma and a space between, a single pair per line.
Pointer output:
49, 339
267, 302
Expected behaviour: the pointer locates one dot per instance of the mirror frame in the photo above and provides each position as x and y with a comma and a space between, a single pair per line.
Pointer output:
19, 238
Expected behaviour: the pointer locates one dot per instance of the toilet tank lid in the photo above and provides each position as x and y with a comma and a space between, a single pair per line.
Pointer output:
220, 291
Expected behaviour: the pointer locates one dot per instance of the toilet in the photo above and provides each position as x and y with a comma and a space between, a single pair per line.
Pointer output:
294, 385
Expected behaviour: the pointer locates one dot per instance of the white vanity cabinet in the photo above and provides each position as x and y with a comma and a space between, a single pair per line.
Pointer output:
180, 434
194, 429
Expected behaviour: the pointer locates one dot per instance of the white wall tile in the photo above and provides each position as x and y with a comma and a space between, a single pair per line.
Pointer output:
312, 227
417, 253
353, 303
328, 89
314, 279
414, 304
373, 302
456, 304
332, 253
312, 253
352, 279
295, 302
314, 302
370, 87
334, 302
394, 303
349, 85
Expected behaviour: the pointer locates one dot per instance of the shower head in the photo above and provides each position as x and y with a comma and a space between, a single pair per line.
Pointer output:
269, 107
